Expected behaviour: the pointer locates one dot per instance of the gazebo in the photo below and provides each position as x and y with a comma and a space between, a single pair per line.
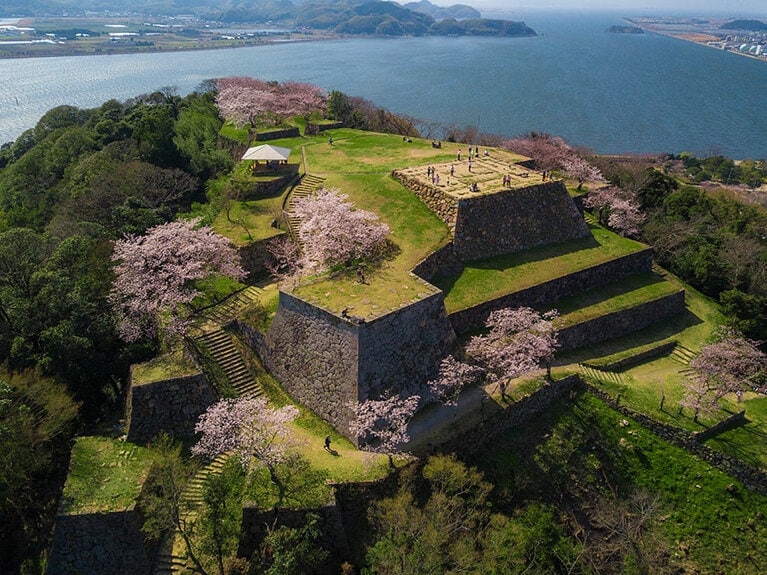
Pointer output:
268, 154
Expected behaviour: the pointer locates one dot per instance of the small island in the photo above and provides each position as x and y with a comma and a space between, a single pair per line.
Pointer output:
620, 29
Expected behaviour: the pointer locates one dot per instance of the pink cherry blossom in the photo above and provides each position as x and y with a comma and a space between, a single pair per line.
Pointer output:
333, 232
155, 274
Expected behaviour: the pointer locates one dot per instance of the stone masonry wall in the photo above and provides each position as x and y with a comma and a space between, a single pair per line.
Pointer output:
256, 523
328, 363
98, 543
556, 289
515, 220
314, 354
515, 415
751, 477
621, 322
440, 262
435, 199
276, 135
253, 258
171, 405
257, 189
402, 350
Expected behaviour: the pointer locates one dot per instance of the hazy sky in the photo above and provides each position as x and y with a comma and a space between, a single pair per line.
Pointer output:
727, 7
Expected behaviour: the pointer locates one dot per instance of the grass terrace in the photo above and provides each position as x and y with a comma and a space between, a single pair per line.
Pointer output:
492, 278
416, 232
616, 296
105, 475
167, 366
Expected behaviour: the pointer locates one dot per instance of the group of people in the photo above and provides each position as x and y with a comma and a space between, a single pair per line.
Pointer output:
432, 173
507, 181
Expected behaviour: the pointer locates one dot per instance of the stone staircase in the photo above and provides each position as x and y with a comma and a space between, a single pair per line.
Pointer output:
172, 557
223, 351
230, 308
682, 355
309, 184
595, 374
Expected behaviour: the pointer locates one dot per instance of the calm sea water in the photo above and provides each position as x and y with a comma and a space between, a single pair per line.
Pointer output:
614, 93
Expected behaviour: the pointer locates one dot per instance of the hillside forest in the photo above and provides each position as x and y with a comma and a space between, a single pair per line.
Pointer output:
81, 180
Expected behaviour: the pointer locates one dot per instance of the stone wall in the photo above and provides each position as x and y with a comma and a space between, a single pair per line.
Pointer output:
440, 262
98, 543
731, 422
556, 289
514, 220
656, 351
496, 422
621, 322
314, 354
236, 149
328, 363
435, 199
313, 129
256, 522
170, 405
276, 135
257, 190
254, 257
402, 350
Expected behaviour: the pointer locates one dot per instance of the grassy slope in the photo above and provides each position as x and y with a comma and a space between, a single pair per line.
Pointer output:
583, 452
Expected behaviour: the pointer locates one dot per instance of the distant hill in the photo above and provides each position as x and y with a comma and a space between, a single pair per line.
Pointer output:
368, 17
457, 11
751, 25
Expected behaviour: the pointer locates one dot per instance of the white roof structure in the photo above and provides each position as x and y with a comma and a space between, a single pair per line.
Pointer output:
267, 152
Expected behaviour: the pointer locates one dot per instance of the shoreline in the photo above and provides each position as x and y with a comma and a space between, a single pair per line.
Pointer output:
159, 50
679, 36
112, 51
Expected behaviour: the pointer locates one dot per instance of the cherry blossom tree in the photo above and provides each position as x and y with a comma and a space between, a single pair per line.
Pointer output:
381, 425
301, 99
616, 209
285, 262
332, 232
548, 151
255, 431
730, 364
518, 341
245, 100
155, 276
553, 153
453, 376
579, 169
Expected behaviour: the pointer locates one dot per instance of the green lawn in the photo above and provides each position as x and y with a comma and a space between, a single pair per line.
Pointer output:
616, 296
416, 232
104, 475
166, 366
495, 277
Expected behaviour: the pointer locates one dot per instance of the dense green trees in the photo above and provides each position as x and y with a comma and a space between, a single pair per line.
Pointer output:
37, 417
441, 520
712, 241
69, 187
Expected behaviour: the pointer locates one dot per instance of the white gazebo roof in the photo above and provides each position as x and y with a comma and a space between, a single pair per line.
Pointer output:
267, 152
